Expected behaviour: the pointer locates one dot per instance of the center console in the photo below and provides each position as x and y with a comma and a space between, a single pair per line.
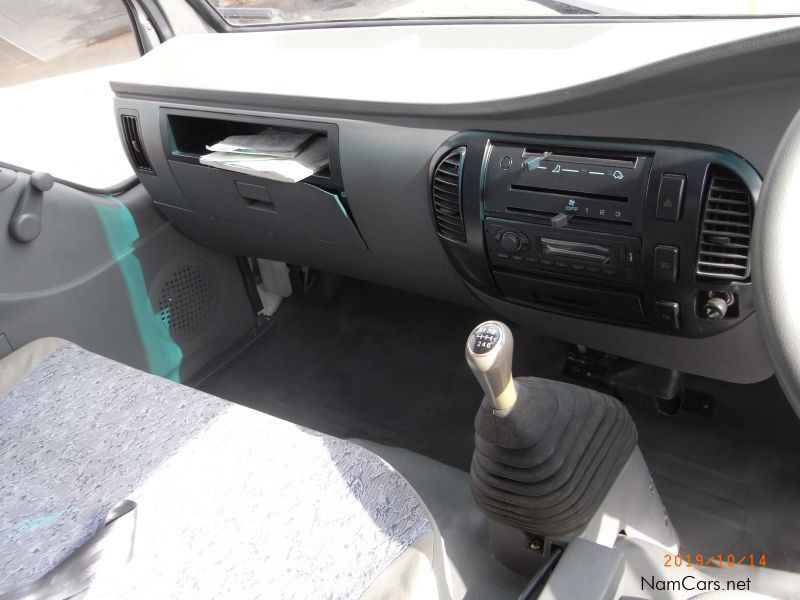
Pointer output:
651, 236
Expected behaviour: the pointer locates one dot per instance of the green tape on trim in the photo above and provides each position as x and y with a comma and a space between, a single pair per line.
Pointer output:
341, 206
163, 355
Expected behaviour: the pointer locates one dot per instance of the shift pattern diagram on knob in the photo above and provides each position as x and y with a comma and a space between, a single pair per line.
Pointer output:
485, 338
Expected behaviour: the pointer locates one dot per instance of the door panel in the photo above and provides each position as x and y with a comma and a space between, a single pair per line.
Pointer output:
111, 274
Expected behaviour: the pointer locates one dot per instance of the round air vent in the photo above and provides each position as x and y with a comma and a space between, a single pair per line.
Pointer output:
187, 300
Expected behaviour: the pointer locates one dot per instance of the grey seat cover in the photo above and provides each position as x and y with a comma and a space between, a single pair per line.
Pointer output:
232, 503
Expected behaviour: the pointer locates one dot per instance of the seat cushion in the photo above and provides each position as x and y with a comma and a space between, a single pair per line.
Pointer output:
15, 367
231, 502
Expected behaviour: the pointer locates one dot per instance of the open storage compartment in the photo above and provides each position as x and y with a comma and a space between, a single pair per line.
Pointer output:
286, 220
187, 133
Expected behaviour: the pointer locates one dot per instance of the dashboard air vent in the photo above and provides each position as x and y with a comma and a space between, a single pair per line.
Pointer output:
133, 141
724, 250
447, 196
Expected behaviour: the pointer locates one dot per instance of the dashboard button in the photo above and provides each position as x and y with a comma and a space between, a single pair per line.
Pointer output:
666, 263
670, 197
668, 313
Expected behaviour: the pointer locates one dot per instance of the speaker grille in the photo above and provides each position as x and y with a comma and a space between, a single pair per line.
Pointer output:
187, 300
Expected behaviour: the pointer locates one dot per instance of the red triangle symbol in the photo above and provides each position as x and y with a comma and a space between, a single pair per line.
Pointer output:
668, 204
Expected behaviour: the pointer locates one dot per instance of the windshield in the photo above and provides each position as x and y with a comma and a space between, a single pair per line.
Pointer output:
259, 12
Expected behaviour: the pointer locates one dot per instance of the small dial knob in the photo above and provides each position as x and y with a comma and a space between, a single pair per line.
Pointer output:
511, 242
715, 308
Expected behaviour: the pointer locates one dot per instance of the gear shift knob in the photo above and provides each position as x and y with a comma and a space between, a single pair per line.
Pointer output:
490, 348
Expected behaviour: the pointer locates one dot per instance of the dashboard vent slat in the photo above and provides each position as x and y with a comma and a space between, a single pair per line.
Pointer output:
133, 142
724, 248
446, 191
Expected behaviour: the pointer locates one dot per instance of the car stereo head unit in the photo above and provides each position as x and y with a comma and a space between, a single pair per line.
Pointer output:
639, 234
519, 245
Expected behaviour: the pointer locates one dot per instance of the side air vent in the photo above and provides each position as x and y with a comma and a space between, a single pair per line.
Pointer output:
724, 250
133, 141
447, 196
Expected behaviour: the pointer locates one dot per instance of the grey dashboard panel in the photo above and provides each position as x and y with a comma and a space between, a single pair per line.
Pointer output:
735, 95
385, 236
737, 355
521, 66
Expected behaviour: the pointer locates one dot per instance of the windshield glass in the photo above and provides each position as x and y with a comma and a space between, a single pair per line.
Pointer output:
260, 12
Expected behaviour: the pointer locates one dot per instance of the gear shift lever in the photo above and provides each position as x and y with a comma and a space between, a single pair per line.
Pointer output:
489, 351
546, 453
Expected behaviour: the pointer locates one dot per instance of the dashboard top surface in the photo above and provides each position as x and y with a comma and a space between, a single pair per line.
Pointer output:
433, 65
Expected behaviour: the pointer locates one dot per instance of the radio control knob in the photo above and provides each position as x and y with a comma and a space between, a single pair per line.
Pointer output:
511, 242
715, 308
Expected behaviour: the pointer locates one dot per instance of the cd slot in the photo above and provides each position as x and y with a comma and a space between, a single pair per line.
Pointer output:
546, 217
577, 220
544, 203
590, 159
579, 250
568, 194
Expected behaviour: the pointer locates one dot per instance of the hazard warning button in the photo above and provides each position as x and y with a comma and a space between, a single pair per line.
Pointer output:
670, 197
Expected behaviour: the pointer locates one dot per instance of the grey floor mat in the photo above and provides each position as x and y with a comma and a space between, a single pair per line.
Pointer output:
388, 366
731, 482
375, 364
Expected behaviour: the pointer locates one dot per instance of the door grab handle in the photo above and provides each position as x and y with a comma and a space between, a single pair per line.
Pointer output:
26, 222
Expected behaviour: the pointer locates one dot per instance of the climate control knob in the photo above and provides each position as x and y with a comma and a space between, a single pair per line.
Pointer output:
511, 241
